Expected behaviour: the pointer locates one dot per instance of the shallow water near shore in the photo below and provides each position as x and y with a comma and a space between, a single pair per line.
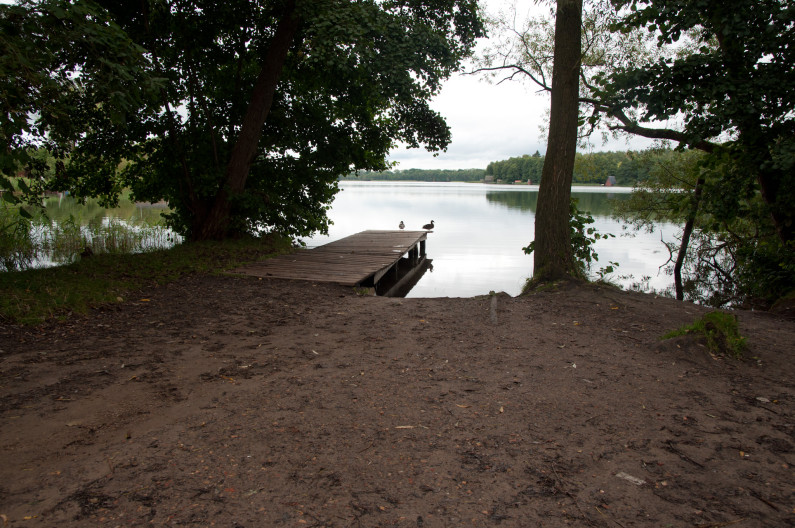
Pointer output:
480, 230
476, 246
68, 227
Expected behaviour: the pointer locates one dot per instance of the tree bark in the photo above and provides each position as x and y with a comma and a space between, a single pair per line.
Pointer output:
686, 233
780, 213
752, 137
553, 255
215, 225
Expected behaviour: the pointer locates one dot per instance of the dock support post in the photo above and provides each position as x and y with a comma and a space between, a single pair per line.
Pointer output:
422, 248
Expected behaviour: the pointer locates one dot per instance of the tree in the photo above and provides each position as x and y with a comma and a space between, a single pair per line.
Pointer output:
718, 258
733, 84
537, 53
523, 49
55, 52
263, 105
553, 256
215, 223
720, 74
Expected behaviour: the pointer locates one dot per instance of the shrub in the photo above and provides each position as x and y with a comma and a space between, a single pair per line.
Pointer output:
720, 331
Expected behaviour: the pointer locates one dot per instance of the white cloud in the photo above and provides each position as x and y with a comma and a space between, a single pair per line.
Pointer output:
492, 122
489, 122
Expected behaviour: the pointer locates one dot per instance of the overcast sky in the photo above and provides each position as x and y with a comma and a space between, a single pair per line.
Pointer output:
490, 122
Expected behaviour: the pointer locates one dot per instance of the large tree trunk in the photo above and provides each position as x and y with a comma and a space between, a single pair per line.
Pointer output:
215, 225
770, 179
752, 136
780, 213
553, 256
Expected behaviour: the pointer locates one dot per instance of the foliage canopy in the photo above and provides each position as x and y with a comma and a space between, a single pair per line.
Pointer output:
712, 75
62, 62
732, 87
350, 79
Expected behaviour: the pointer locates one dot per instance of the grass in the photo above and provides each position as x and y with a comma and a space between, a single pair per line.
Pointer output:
31, 243
17, 247
720, 330
33, 296
64, 241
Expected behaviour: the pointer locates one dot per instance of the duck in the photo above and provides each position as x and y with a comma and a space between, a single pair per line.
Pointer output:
428, 227
401, 225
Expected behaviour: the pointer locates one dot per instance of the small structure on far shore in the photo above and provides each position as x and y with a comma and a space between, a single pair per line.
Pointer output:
611, 181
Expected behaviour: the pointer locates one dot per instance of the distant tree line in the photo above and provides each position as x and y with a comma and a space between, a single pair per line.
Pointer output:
433, 175
625, 168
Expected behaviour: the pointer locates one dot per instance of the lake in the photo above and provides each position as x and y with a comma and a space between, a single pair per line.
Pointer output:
476, 246
481, 229
70, 226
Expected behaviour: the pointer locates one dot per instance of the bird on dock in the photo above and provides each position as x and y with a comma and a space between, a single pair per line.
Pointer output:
402, 225
428, 227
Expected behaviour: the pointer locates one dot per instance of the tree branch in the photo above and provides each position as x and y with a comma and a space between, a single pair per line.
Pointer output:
630, 126
517, 68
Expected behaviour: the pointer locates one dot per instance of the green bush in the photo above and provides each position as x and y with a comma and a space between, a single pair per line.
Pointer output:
583, 238
720, 331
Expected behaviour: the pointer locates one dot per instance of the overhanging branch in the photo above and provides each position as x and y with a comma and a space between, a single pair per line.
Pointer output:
632, 127
627, 125
517, 69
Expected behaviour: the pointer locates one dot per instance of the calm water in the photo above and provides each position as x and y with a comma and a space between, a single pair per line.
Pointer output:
128, 227
476, 246
481, 229
60, 209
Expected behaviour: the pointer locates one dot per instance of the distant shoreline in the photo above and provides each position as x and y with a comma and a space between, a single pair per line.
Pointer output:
379, 180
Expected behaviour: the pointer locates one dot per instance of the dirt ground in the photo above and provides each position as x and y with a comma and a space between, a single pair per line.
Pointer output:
237, 402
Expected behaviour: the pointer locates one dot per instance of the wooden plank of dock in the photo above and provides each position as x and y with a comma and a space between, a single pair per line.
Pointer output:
348, 261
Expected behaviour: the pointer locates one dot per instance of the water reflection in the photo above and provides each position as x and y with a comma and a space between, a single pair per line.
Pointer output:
69, 228
480, 230
60, 209
407, 274
597, 203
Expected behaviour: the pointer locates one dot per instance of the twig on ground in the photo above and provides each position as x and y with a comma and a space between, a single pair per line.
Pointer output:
560, 487
684, 456
720, 524
761, 498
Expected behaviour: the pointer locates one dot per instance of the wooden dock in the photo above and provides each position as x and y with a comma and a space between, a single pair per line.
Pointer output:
362, 259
